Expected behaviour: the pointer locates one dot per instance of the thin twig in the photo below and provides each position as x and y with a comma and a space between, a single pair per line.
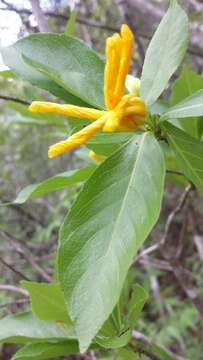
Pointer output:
169, 223
13, 303
92, 355
143, 340
124, 12
6, 287
175, 212
39, 16
157, 263
198, 240
24, 253
87, 22
11, 267
11, 98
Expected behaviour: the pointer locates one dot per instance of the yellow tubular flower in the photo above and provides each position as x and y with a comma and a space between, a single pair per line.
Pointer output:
123, 112
70, 110
127, 45
78, 138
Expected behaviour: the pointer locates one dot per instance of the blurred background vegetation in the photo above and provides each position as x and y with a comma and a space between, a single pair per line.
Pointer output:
28, 233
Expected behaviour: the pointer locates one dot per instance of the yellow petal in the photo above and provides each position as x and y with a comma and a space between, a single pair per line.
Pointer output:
126, 33
113, 55
78, 138
127, 45
68, 110
113, 121
138, 109
96, 157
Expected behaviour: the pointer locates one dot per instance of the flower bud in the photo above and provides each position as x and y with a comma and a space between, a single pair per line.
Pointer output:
133, 84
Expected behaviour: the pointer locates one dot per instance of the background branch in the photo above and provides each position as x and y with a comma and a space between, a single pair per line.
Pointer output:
11, 98
14, 289
39, 16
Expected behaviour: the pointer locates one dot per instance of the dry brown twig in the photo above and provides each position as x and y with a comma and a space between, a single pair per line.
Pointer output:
27, 256
11, 98
87, 22
39, 16
138, 336
171, 217
13, 269
13, 288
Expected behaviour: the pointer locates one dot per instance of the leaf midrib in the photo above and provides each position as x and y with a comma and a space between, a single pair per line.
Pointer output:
123, 203
128, 188
183, 109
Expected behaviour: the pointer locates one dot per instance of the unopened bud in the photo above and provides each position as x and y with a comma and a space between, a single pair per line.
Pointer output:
133, 84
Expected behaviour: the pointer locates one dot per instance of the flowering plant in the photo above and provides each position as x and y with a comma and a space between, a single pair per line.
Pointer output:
129, 136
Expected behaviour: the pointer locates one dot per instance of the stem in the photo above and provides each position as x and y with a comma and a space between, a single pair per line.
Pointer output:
11, 98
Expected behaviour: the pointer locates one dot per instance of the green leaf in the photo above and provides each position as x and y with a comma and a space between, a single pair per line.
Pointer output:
155, 351
7, 74
47, 301
188, 83
138, 299
158, 108
115, 341
189, 153
106, 143
113, 336
13, 56
174, 171
53, 183
60, 64
25, 327
128, 354
46, 350
70, 26
189, 107
164, 53
109, 221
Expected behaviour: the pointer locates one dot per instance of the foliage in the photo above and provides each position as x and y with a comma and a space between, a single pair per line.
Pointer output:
91, 304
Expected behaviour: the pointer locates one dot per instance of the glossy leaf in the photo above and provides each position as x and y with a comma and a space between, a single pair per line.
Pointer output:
25, 327
191, 106
78, 71
13, 57
106, 143
47, 301
188, 83
109, 221
138, 299
165, 52
159, 107
46, 350
115, 341
189, 153
54, 183
174, 173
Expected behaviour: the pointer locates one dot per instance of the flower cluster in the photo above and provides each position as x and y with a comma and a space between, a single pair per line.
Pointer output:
124, 112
